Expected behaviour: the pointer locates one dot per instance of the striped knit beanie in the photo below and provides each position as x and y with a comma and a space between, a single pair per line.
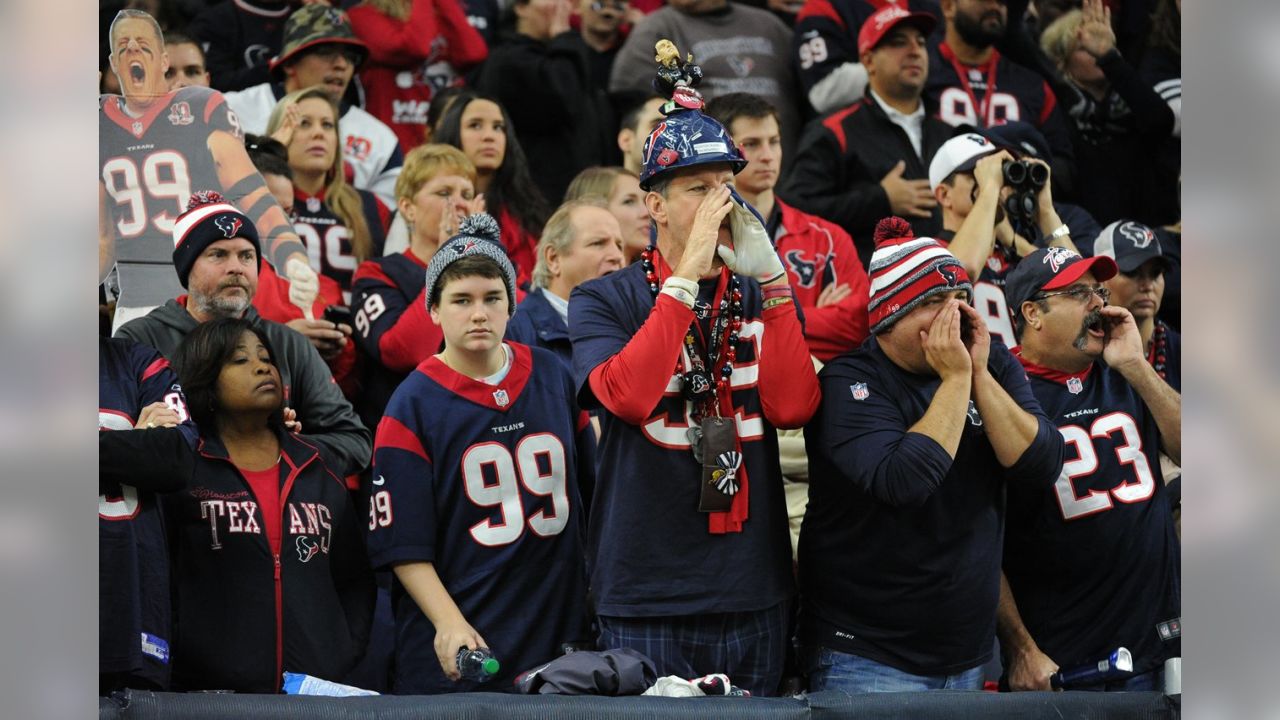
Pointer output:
905, 270
208, 219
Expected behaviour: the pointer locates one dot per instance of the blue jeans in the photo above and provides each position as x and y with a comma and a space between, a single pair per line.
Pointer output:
832, 670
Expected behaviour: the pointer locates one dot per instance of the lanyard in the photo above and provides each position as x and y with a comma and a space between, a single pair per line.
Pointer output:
988, 70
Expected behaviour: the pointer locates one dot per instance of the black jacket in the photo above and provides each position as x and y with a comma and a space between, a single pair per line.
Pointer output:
242, 614
843, 156
327, 418
558, 115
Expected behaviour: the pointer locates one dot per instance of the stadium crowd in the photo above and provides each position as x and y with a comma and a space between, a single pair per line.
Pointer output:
827, 345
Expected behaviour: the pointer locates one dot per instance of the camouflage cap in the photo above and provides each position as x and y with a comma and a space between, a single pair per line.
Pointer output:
317, 24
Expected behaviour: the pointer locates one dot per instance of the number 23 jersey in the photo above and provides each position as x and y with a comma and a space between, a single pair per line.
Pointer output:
483, 482
1093, 560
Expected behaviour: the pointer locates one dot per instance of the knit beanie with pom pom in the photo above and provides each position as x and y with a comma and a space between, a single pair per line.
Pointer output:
477, 235
905, 270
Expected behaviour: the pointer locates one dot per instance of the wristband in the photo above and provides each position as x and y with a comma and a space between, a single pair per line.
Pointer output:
682, 289
1061, 232
776, 291
689, 286
775, 302
774, 278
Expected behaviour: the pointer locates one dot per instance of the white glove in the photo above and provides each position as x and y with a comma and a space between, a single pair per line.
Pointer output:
752, 253
304, 285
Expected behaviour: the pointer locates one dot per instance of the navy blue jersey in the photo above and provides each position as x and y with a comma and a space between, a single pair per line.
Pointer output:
1092, 556
898, 552
328, 239
649, 550
133, 577
392, 326
998, 92
482, 481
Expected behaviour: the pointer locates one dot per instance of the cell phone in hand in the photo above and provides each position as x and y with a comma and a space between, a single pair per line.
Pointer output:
338, 314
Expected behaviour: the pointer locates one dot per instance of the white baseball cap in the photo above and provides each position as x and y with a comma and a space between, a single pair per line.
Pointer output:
959, 154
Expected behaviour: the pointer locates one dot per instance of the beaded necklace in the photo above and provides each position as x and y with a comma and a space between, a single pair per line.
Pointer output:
1158, 356
697, 384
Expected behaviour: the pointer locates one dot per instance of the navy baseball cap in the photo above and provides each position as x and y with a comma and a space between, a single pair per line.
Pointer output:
1130, 244
1052, 268
1021, 138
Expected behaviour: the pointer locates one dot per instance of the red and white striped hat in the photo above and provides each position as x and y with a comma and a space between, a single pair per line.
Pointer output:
905, 270
208, 218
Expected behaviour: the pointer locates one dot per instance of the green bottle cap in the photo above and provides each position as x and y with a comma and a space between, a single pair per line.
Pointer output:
490, 666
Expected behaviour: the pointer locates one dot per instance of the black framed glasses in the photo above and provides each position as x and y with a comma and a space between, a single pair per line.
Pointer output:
1079, 293
617, 5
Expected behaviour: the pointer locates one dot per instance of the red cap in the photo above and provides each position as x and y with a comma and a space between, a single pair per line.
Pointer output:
886, 19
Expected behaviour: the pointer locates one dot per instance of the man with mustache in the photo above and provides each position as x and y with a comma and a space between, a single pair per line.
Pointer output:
1091, 559
971, 83
216, 254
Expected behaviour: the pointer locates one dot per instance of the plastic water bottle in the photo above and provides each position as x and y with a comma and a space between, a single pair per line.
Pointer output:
478, 665
302, 684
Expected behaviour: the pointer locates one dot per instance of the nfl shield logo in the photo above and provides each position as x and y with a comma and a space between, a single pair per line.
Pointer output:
500, 397
860, 391
137, 128
1074, 385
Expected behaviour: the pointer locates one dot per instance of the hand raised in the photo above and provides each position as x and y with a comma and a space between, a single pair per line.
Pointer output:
700, 248
943, 348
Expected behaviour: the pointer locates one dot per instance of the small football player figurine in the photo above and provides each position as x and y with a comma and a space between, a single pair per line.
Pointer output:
676, 80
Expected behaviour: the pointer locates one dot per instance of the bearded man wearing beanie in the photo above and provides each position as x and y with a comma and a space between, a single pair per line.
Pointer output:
216, 253
918, 432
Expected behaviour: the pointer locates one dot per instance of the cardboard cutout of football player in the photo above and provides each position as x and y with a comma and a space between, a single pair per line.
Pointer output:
156, 148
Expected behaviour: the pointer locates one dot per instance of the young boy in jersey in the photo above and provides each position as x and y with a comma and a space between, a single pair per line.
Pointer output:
475, 502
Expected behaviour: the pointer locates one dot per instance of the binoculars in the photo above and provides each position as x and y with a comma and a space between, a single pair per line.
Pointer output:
1026, 179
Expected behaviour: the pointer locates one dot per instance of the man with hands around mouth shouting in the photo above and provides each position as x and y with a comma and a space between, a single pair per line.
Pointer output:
920, 432
695, 355
1061, 605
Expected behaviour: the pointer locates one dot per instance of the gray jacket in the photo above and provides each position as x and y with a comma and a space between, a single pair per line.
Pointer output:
327, 418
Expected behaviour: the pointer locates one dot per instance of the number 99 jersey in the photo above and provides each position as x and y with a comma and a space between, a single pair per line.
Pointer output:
1093, 560
482, 481
150, 165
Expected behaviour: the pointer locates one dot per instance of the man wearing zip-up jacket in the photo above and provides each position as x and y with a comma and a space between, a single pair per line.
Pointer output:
307, 608
221, 274
871, 159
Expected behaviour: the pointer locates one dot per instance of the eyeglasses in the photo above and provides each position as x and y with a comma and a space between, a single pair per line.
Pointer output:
618, 5
1079, 293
